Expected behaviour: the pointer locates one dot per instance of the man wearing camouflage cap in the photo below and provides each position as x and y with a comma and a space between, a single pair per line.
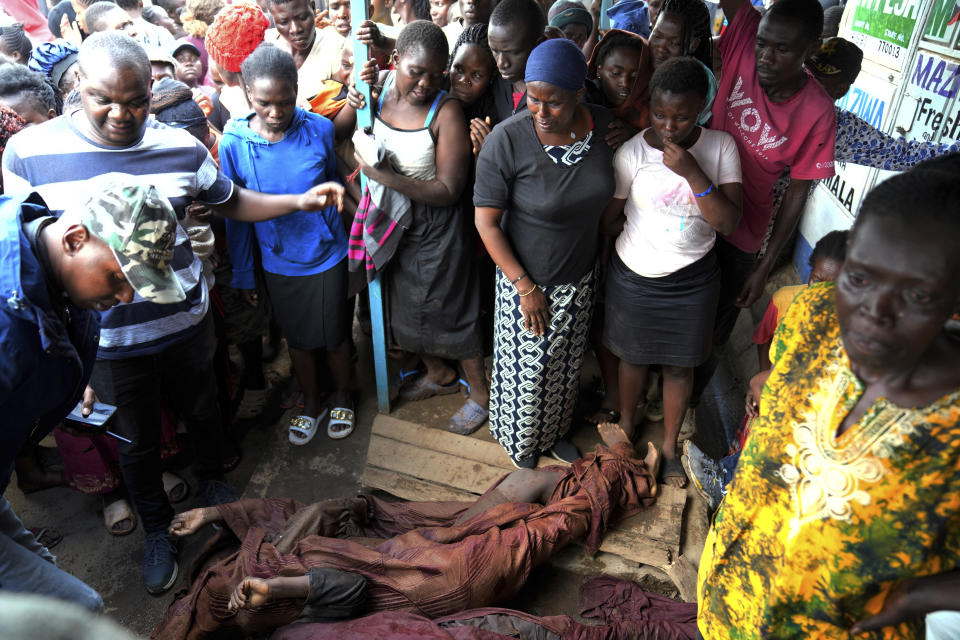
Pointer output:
147, 347
54, 275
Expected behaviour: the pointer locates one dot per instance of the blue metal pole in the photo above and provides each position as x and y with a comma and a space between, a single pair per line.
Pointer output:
358, 14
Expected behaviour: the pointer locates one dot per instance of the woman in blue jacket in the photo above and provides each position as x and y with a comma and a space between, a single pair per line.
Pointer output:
280, 148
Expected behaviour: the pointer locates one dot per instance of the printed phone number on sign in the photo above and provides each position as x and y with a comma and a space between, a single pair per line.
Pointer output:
881, 47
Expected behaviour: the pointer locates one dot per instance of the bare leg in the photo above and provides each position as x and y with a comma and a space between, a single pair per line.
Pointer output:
476, 374
438, 371
610, 372
633, 379
305, 368
339, 362
523, 485
677, 387
763, 354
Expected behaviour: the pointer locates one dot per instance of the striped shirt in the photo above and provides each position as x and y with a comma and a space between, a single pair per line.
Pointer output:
55, 159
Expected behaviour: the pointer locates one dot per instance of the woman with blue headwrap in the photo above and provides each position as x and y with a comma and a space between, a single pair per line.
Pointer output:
544, 177
58, 61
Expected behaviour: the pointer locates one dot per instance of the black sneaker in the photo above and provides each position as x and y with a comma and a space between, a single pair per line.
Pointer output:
159, 563
564, 451
216, 492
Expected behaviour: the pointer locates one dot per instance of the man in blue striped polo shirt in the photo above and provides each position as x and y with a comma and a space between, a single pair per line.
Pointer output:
147, 351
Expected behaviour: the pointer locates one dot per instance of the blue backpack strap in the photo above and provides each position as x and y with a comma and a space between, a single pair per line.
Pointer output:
386, 85
433, 108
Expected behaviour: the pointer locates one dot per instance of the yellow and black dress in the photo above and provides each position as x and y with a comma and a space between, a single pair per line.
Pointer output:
817, 529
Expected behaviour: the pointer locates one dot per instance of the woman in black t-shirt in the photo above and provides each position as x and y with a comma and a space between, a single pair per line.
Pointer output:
544, 177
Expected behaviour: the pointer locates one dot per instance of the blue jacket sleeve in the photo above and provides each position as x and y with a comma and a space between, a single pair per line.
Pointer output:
240, 235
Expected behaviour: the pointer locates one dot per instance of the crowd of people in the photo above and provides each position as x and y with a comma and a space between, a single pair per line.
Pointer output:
182, 178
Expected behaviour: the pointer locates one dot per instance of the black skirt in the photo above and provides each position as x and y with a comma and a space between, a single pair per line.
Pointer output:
667, 320
431, 287
311, 310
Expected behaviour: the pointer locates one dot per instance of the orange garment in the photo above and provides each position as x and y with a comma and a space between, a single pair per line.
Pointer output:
330, 100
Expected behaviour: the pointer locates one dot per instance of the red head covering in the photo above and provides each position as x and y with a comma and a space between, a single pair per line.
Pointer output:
635, 109
10, 123
236, 31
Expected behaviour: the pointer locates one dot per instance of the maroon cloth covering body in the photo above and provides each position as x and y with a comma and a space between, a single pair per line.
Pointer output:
622, 608
427, 565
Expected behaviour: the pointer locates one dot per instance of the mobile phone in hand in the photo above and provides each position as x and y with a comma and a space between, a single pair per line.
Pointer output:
95, 422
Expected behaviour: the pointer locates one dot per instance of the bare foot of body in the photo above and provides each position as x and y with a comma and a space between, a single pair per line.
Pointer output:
254, 593
611, 434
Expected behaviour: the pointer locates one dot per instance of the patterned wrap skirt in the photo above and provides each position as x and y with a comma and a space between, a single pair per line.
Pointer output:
535, 380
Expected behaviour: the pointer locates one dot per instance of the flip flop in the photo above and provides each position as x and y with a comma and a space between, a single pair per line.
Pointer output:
407, 377
341, 416
672, 468
424, 388
175, 487
468, 419
302, 428
46, 536
119, 518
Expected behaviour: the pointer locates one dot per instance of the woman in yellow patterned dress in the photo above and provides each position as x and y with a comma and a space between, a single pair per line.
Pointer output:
845, 511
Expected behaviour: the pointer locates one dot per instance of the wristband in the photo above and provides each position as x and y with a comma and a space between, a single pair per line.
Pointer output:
519, 278
524, 295
707, 192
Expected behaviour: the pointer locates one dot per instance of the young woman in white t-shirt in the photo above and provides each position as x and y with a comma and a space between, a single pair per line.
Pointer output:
677, 186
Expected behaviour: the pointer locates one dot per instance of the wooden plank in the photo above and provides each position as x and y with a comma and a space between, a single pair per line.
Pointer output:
684, 575
474, 449
432, 466
642, 551
408, 488
663, 521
